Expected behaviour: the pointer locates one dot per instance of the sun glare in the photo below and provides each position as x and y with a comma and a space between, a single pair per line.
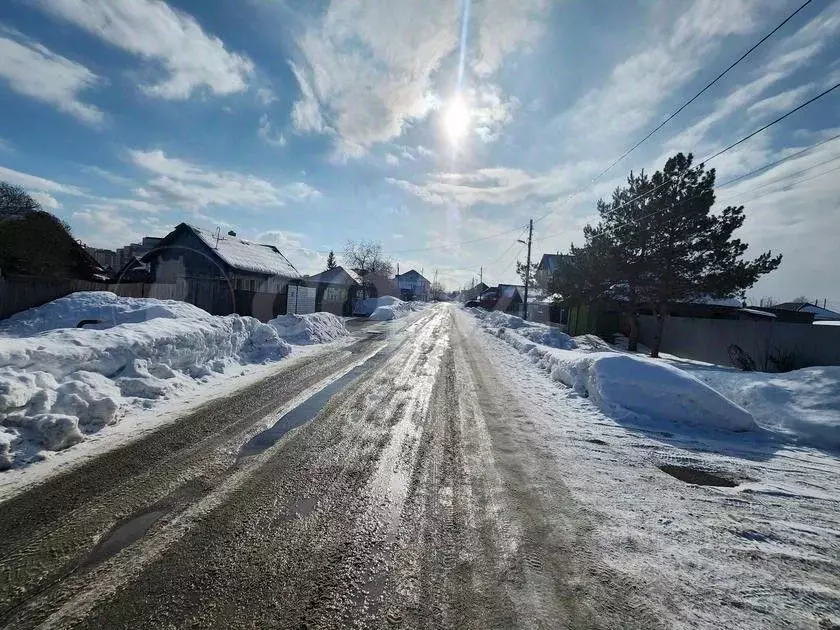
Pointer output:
456, 120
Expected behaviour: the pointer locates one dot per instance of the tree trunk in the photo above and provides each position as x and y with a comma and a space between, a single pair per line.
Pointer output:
633, 339
661, 312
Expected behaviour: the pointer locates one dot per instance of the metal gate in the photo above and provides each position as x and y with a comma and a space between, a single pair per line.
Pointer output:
301, 300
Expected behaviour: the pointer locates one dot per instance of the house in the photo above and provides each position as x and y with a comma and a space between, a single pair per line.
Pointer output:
473, 293
336, 289
505, 297
134, 270
819, 314
413, 286
224, 274
550, 264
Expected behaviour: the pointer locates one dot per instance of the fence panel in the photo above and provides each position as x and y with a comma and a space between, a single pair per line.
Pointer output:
709, 340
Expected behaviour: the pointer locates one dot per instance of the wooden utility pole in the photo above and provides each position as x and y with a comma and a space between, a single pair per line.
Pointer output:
528, 268
481, 274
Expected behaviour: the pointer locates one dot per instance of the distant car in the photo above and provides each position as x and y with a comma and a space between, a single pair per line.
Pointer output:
472, 304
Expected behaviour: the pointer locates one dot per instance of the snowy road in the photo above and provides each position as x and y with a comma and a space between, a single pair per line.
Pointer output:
418, 496
425, 475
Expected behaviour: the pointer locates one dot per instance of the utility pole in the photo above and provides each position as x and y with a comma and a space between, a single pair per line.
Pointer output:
481, 274
527, 266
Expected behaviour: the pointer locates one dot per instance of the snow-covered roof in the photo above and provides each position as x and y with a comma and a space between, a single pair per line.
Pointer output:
820, 313
337, 275
248, 255
757, 313
412, 275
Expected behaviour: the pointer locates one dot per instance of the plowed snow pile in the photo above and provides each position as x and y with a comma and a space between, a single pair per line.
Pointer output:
59, 383
387, 307
624, 386
309, 329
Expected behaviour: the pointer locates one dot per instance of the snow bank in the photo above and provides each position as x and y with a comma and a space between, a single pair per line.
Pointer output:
59, 384
309, 329
103, 307
387, 307
804, 403
624, 386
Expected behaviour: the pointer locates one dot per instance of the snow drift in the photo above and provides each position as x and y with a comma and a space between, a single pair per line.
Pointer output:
309, 329
803, 403
624, 386
387, 307
103, 308
58, 385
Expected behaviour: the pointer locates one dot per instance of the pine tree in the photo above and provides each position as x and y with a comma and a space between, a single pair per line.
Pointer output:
521, 269
331, 264
668, 246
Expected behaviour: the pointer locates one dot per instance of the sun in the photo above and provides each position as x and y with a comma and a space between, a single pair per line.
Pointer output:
456, 120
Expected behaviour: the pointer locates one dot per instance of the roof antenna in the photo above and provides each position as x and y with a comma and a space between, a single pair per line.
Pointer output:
218, 235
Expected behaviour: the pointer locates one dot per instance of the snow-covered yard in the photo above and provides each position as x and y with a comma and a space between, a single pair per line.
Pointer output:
637, 441
60, 384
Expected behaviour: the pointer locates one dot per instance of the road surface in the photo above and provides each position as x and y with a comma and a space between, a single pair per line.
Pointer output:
402, 486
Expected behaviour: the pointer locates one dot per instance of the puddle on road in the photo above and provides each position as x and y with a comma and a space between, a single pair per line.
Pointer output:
697, 476
123, 535
304, 412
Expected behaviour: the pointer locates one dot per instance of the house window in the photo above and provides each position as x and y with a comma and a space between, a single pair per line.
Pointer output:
333, 294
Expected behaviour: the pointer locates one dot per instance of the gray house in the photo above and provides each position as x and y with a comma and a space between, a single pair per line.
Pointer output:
224, 274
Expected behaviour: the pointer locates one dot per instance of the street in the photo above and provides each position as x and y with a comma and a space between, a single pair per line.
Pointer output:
398, 481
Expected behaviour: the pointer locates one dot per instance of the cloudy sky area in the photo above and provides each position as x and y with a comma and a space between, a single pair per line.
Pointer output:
308, 123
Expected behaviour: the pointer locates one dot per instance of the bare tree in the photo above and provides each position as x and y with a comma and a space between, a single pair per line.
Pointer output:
368, 257
436, 290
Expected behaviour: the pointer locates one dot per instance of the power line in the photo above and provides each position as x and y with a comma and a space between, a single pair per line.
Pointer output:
706, 87
780, 180
770, 124
777, 162
683, 106
731, 146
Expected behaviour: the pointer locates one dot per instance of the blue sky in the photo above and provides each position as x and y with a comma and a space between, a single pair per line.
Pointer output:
308, 123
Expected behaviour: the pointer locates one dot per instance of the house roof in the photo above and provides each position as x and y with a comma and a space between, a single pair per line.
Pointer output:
412, 274
245, 255
820, 314
551, 262
337, 275
511, 290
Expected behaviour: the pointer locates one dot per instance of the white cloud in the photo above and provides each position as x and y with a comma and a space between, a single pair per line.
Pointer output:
192, 186
490, 111
391, 159
268, 134
33, 70
636, 87
107, 175
6, 146
37, 184
46, 200
152, 30
306, 260
265, 96
101, 228
504, 27
780, 102
495, 186
366, 71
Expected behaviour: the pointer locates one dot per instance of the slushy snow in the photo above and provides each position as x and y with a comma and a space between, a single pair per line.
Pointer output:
59, 383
